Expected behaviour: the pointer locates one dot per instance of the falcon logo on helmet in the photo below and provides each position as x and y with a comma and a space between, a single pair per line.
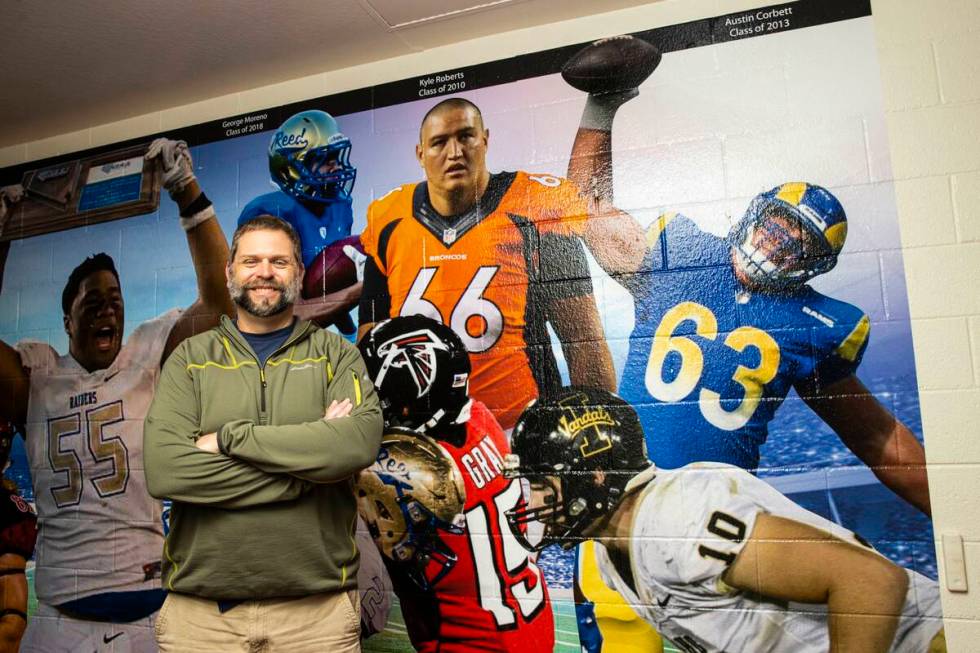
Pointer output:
416, 353
309, 158
789, 235
421, 370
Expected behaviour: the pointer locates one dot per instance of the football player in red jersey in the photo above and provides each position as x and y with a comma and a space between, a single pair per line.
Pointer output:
436, 500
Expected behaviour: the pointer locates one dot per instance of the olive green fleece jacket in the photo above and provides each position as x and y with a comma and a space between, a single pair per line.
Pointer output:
273, 514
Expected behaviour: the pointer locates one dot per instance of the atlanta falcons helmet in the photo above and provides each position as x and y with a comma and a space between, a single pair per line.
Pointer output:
789, 235
411, 495
583, 445
309, 158
421, 371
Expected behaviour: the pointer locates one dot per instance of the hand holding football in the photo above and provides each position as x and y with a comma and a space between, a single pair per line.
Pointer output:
613, 64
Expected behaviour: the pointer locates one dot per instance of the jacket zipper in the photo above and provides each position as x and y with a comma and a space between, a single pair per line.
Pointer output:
262, 379
289, 341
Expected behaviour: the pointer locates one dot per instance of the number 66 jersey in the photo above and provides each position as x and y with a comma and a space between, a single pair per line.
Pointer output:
710, 362
489, 274
100, 530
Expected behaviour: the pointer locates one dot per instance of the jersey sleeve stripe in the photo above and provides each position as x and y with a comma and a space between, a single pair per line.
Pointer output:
658, 226
383, 239
851, 346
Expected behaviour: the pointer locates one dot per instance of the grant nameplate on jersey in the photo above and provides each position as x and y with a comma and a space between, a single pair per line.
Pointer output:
71, 194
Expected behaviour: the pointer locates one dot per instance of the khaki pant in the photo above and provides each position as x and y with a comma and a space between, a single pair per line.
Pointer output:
313, 624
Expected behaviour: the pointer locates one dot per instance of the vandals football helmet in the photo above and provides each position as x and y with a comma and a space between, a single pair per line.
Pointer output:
584, 445
789, 235
309, 158
410, 495
421, 371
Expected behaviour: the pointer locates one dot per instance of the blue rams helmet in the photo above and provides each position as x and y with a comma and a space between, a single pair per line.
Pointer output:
309, 158
789, 235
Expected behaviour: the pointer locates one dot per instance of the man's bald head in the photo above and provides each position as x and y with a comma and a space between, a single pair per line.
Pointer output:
449, 104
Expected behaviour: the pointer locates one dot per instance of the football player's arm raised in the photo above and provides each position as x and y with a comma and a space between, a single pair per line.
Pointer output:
322, 451
571, 310
787, 560
205, 239
615, 238
875, 436
177, 469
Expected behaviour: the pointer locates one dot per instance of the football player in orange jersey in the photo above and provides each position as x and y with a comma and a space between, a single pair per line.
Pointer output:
496, 257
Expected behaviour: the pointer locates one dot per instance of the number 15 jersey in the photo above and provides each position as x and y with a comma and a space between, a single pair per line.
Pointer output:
494, 597
490, 274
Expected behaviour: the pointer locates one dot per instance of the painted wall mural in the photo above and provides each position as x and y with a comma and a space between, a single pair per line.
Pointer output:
682, 245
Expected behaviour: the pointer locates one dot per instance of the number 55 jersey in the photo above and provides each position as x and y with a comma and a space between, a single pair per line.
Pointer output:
100, 530
490, 274
710, 362
494, 597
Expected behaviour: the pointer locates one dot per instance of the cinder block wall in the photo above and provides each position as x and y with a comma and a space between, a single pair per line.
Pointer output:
928, 54
931, 89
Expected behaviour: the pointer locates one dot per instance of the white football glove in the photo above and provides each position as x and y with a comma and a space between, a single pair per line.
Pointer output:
175, 159
359, 260
9, 195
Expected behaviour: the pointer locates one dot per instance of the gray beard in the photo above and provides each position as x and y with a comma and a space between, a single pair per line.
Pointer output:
287, 297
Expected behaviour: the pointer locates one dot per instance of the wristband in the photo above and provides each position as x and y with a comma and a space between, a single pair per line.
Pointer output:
196, 212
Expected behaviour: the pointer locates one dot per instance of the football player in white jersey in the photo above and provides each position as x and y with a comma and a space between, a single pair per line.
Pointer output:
711, 556
98, 554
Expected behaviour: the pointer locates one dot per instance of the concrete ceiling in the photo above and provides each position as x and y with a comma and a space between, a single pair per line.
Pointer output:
65, 66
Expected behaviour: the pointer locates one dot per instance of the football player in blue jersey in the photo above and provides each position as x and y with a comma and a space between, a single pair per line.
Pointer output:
309, 160
724, 329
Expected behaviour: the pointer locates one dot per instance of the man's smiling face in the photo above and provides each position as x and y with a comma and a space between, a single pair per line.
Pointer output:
264, 277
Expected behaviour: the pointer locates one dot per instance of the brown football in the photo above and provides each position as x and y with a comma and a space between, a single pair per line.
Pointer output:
331, 270
612, 64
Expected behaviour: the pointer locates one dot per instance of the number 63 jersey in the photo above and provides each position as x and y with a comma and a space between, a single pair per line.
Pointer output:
690, 524
100, 530
494, 597
490, 274
710, 363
